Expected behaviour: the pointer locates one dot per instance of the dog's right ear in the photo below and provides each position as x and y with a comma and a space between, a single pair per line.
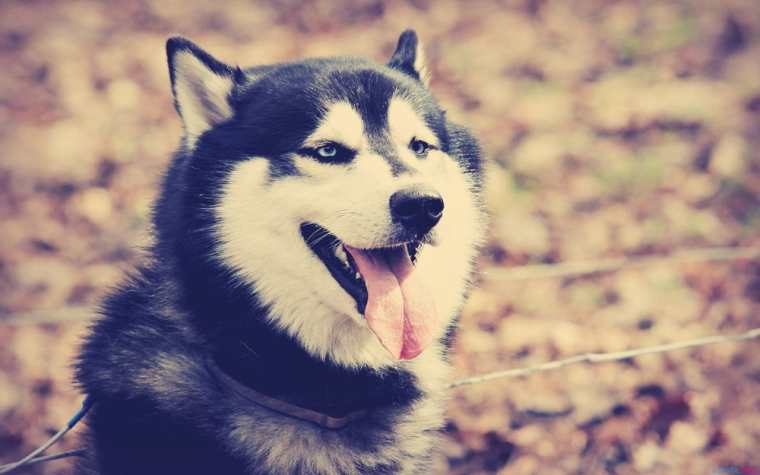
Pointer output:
201, 85
409, 57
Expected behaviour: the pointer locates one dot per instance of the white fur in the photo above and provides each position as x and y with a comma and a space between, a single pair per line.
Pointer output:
405, 124
260, 237
202, 95
420, 64
342, 124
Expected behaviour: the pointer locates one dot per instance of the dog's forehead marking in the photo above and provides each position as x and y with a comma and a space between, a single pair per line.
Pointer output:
341, 123
405, 123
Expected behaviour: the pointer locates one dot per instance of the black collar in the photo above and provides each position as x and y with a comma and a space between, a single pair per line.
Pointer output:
280, 406
263, 361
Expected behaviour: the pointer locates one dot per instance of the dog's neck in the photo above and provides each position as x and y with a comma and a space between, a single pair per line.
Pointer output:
267, 361
247, 348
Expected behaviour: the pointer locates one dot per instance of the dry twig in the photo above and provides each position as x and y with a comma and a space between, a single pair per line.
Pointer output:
573, 269
605, 357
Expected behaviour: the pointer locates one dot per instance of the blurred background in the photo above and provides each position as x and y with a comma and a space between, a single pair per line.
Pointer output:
611, 129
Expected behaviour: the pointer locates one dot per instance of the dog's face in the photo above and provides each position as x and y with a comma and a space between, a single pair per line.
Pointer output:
338, 192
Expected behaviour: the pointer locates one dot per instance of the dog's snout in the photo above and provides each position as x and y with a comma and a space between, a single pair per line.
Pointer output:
418, 209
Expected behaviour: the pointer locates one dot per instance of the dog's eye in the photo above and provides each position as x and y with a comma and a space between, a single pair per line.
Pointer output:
327, 151
419, 147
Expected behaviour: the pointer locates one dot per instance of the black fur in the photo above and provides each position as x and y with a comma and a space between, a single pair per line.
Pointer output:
186, 304
405, 55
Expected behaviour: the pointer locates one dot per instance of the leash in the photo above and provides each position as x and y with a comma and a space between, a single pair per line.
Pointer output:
281, 407
35, 455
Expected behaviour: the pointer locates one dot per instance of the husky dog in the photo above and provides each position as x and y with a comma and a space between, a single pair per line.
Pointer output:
315, 235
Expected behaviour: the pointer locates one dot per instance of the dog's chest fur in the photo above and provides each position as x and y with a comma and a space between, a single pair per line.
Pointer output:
160, 409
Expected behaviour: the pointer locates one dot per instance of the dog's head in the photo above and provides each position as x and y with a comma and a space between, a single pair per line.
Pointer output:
336, 190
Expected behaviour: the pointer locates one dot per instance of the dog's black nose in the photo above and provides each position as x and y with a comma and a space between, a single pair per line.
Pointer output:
418, 209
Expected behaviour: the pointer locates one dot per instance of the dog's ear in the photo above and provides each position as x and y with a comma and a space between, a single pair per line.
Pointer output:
201, 85
410, 58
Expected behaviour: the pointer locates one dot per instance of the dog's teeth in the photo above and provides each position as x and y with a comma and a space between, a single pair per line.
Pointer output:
340, 253
357, 276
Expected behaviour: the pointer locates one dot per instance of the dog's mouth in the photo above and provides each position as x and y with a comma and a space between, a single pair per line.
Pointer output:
341, 264
387, 290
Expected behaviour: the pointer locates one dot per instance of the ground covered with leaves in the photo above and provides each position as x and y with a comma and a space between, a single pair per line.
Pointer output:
611, 129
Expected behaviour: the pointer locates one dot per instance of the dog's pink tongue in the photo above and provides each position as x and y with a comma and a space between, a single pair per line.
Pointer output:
400, 310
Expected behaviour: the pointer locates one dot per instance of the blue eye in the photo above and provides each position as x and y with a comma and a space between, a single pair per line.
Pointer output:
419, 147
327, 151
330, 152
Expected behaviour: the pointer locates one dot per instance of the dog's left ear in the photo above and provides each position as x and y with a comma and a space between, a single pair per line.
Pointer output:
409, 57
201, 84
